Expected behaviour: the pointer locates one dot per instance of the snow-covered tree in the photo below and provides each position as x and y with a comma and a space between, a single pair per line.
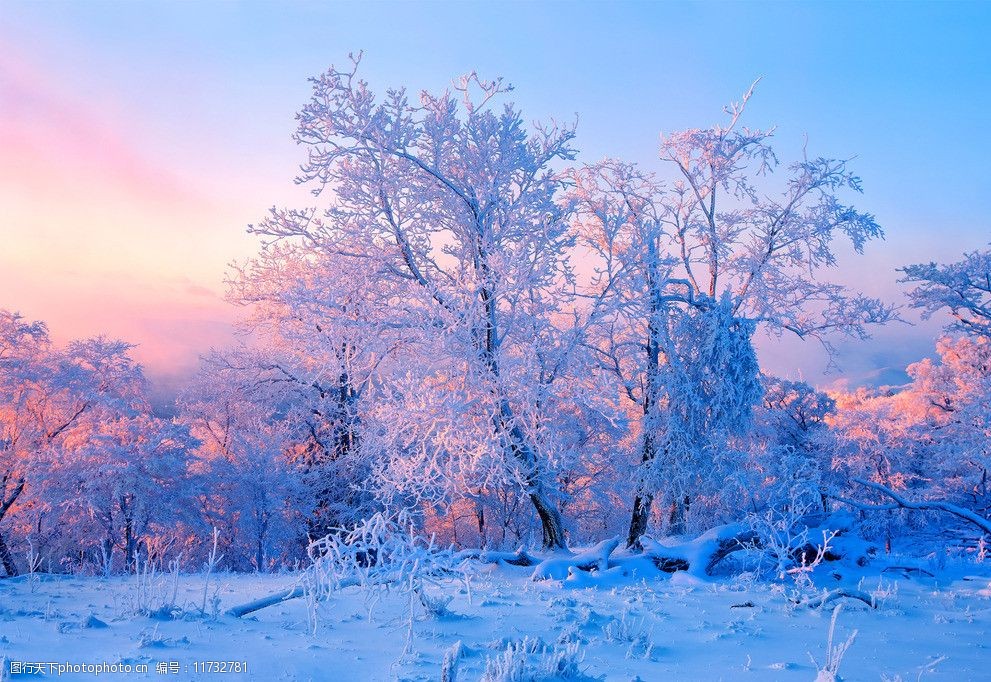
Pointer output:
24, 347
123, 481
962, 288
715, 240
791, 447
928, 439
249, 488
326, 343
50, 398
450, 204
957, 392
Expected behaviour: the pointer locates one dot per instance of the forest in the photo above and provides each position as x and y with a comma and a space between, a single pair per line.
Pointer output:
473, 349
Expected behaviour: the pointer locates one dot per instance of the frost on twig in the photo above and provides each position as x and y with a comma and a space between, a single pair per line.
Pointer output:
828, 672
380, 553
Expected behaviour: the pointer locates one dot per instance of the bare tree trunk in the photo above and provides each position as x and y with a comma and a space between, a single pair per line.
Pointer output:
130, 541
453, 515
642, 501
550, 521
7, 559
638, 522
480, 518
521, 448
5, 504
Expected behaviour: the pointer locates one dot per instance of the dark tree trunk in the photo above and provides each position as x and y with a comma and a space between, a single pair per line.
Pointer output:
551, 524
643, 500
7, 559
480, 518
5, 504
130, 541
107, 555
518, 444
638, 522
332, 438
550, 521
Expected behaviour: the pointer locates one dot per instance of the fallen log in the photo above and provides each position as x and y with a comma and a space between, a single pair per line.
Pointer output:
265, 602
840, 593
701, 555
595, 558
294, 592
518, 558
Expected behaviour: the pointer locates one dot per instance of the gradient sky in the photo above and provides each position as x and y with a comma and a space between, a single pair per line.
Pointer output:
137, 140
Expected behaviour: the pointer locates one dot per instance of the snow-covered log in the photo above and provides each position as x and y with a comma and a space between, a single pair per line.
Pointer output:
840, 593
595, 558
701, 555
278, 598
265, 602
518, 558
697, 557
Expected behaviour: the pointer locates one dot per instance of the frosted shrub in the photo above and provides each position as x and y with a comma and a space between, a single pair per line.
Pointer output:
382, 555
34, 565
829, 671
785, 540
213, 558
631, 631
145, 579
886, 590
382, 552
530, 660
152, 593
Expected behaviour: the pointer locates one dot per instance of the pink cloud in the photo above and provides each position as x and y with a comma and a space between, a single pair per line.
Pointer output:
51, 140
98, 238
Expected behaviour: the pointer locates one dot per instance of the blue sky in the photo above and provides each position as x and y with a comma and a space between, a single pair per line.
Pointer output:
198, 98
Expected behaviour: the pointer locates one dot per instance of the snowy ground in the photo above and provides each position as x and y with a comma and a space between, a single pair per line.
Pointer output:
667, 629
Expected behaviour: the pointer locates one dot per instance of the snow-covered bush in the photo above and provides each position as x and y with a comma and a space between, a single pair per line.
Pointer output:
631, 631
151, 592
383, 551
926, 441
531, 660
785, 540
382, 555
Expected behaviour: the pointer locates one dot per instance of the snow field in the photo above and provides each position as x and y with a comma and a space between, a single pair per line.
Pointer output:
678, 628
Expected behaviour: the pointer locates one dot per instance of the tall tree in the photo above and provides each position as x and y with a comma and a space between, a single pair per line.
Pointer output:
327, 339
449, 202
714, 240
